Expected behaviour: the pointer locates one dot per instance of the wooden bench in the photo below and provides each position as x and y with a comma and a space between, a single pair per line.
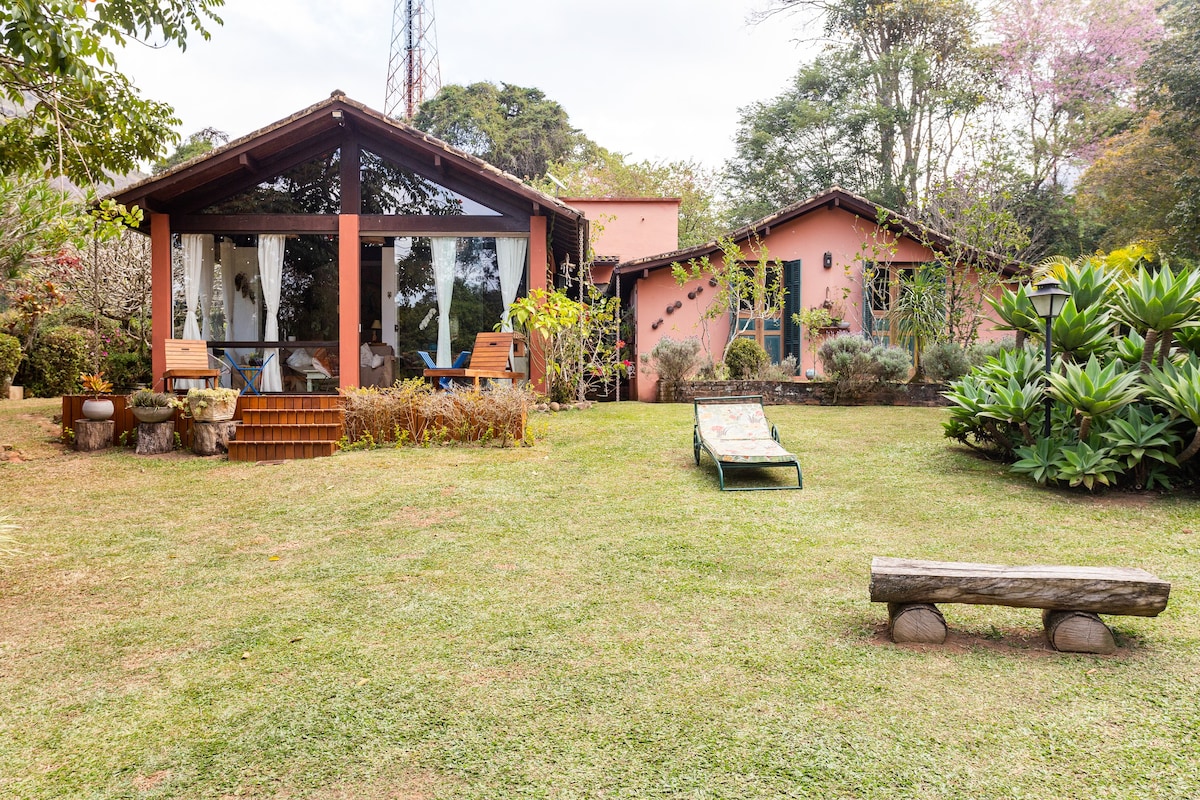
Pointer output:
187, 359
489, 360
1070, 597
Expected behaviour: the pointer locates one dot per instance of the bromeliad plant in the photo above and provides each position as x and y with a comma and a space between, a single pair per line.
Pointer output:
1124, 387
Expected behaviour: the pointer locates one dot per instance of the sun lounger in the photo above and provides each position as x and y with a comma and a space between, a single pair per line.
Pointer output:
735, 433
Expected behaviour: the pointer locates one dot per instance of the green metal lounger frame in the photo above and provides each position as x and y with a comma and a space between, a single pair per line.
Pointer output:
735, 433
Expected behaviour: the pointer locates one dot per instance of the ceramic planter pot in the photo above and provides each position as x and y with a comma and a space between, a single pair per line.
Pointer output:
97, 409
152, 413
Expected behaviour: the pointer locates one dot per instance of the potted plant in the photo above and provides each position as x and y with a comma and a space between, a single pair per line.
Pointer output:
96, 407
151, 406
211, 405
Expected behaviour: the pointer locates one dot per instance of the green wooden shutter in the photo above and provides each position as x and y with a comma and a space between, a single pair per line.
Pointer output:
791, 305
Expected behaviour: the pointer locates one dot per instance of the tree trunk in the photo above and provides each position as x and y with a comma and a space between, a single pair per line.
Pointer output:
1077, 632
92, 435
1191, 449
1148, 349
1164, 348
155, 437
919, 623
212, 438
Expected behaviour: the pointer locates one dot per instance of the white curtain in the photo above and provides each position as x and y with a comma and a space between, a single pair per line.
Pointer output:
270, 272
206, 286
193, 260
228, 271
444, 251
510, 256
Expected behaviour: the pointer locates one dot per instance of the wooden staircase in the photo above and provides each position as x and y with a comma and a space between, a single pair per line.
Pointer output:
283, 427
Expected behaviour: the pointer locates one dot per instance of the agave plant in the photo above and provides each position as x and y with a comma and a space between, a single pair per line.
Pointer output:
1138, 436
1079, 334
1040, 461
1081, 464
1094, 391
1014, 403
1157, 305
1016, 312
1086, 278
1176, 387
1130, 348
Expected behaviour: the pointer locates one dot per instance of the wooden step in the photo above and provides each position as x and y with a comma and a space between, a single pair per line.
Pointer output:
279, 451
291, 402
283, 416
290, 433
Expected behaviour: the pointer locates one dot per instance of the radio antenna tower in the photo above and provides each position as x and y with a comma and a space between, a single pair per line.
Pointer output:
413, 72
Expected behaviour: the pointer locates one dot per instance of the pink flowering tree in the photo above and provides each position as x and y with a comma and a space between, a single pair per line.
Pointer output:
1070, 66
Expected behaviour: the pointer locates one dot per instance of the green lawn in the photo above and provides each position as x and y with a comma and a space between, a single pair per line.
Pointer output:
588, 617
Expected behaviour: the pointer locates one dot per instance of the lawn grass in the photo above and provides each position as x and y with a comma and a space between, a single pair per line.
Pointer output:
588, 617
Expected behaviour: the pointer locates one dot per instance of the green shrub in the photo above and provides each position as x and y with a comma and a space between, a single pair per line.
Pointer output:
10, 356
857, 366
892, 364
783, 371
744, 358
55, 361
127, 370
945, 361
672, 360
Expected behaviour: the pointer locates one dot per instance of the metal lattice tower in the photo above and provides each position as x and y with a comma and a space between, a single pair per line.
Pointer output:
413, 72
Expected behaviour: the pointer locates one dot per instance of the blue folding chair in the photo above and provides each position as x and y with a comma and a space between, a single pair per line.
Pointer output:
250, 373
459, 363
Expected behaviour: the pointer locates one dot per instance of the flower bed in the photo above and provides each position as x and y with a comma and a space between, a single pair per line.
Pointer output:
412, 413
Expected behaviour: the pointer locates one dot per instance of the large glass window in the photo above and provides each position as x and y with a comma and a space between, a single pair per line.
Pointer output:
388, 188
232, 304
313, 187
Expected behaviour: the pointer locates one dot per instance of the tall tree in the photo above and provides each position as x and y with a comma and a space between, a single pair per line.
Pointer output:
599, 172
515, 128
923, 70
1070, 68
70, 111
1172, 85
814, 135
197, 144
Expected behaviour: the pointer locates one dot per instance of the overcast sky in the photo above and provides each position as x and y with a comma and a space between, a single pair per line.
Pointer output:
657, 79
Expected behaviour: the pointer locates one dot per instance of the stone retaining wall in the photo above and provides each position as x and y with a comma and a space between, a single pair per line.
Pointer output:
813, 393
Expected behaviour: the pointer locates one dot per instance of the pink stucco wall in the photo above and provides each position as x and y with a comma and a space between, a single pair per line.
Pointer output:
631, 227
849, 238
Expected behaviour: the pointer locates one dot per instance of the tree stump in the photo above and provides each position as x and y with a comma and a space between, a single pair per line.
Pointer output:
212, 438
1078, 632
92, 435
155, 437
919, 623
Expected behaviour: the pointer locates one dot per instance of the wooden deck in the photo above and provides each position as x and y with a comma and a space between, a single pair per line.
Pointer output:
273, 427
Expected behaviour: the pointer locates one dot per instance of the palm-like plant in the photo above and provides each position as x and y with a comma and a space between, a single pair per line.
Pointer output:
1156, 305
1086, 278
1094, 391
1016, 313
1138, 436
1176, 387
1080, 334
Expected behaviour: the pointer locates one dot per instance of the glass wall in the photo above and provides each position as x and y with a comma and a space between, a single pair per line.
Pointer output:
232, 302
409, 294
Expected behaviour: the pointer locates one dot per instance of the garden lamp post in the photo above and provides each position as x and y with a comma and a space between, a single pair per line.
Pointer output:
1048, 301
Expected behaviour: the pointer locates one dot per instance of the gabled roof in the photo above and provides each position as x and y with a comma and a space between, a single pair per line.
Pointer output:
831, 198
242, 163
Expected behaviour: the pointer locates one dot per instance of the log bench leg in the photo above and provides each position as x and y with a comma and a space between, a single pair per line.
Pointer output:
1077, 632
919, 623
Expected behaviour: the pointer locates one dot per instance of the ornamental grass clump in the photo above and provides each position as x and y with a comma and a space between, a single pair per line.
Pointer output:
411, 413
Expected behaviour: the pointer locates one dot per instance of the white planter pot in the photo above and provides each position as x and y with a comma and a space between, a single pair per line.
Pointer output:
97, 409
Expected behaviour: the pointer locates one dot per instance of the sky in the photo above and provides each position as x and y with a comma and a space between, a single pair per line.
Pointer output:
654, 79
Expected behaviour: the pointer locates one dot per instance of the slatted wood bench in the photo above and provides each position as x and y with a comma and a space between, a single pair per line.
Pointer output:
489, 360
1070, 597
187, 359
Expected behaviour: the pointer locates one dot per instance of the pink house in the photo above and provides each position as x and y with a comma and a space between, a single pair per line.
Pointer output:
821, 246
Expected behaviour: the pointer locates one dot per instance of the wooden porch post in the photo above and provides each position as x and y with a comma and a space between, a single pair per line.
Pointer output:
348, 299
537, 280
160, 295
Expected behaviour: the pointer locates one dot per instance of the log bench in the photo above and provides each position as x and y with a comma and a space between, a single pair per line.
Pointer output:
1070, 597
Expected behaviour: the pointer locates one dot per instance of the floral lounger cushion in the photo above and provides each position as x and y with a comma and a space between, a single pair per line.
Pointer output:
739, 433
